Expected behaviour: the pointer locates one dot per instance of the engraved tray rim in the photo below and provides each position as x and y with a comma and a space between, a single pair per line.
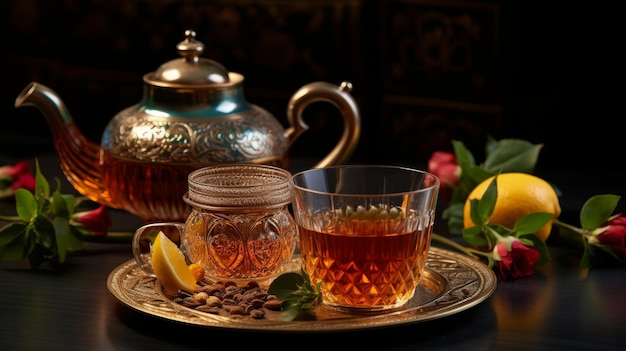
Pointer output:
464, 283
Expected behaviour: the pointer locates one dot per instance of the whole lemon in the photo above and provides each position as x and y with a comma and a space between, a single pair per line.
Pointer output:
518, 195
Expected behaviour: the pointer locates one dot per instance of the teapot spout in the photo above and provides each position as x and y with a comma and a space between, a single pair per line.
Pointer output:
79, 157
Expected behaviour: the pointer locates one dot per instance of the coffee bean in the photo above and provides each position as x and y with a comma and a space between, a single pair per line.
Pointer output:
230, 299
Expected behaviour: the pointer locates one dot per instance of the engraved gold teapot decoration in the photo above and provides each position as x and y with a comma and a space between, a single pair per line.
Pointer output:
193, 114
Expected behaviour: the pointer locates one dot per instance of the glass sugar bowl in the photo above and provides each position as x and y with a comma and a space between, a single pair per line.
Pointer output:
240, 226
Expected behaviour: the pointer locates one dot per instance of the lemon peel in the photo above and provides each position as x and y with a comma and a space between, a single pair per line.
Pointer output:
197, 271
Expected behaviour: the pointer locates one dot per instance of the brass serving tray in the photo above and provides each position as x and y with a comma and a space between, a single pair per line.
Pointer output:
452, 283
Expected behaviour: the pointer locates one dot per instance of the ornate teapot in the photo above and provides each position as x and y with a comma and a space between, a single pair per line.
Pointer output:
192, 114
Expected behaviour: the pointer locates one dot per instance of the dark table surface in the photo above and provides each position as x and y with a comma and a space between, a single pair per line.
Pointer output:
560, 307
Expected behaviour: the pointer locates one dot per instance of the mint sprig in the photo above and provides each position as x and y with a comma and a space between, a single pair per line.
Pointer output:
297, 294
41, 231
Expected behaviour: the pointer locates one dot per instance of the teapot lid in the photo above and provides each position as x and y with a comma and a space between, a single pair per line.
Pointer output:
191, 69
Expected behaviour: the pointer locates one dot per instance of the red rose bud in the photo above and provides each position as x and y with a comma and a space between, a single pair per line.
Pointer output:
16, 177
513, 259
612, 235
19, 168
96, 221
445, 167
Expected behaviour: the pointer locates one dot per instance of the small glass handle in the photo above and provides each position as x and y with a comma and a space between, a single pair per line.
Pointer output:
143, 239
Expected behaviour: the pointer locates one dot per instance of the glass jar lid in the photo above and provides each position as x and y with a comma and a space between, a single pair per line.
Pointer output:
239, 185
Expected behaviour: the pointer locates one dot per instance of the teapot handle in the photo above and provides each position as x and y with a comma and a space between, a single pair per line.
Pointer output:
345, 103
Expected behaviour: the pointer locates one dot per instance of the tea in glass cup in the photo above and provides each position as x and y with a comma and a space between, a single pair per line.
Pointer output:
240, 227
365, 232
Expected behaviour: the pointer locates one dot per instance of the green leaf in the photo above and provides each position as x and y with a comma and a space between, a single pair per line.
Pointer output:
477, 175
296, 292
14, 251
471, 174
453, 214
44, 231
42, 188
75, 240
487, 203
512, 155
30, 237
291, 310
25, 204
59, 205
11, 232
458, 196
72, 203
464, 157
475, 214
12, 242
63, 237
531, 223
471, 177
499, 229
597, 210
285, 284
490, 145
475, 237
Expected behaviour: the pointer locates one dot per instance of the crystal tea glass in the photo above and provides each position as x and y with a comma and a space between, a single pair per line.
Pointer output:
240, 227
365, 232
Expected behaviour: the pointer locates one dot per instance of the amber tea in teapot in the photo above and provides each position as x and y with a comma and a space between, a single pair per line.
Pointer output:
156, 197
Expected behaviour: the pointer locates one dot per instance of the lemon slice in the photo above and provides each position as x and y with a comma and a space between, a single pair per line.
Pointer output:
169, 266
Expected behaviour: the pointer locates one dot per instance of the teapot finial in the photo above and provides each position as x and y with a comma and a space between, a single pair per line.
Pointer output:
190, 48
191, 70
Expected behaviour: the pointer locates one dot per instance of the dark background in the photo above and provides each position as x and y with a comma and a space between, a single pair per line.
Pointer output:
424, 72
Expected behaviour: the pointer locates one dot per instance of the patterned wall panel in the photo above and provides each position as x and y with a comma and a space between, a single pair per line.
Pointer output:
416, 127
440, 76
441, 49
